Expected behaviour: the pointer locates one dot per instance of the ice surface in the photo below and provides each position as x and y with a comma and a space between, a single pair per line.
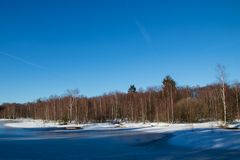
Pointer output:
197, 135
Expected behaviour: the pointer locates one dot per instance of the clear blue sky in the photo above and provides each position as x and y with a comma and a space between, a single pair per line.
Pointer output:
97, 46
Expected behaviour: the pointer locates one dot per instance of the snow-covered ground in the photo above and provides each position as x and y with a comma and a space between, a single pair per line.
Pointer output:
198, 135
2, 120
30, 123
207, 139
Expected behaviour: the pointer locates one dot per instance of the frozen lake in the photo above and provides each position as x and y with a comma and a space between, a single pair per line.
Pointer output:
59, 144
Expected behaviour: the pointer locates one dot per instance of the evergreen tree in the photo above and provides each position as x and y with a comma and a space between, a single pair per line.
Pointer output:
132, 89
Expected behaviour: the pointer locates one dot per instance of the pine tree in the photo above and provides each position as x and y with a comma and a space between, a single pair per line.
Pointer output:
132, 89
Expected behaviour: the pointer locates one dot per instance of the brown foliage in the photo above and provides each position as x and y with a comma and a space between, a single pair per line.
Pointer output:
190, 105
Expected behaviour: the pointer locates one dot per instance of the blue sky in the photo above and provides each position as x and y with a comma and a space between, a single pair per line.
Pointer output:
49, 46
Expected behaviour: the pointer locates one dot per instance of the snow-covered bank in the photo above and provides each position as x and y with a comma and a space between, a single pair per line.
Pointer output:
30, 123
2, 120
172, 128
208, 139
147, 127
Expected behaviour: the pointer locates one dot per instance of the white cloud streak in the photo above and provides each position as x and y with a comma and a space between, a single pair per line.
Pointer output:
24, 61
143, 31
145, 35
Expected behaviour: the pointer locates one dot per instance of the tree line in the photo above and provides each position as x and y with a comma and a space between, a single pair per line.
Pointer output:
166, 103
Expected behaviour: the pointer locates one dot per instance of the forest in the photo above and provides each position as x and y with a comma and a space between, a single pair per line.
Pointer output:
165, 103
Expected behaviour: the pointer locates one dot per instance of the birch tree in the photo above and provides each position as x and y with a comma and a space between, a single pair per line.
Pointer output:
72, 94
222, 80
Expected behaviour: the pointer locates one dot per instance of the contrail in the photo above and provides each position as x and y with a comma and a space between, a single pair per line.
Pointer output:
22, 60
26, 62
143, 31
145, 35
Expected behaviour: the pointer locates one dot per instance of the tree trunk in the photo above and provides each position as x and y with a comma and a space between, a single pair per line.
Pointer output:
224, 103
171, 99
237, 104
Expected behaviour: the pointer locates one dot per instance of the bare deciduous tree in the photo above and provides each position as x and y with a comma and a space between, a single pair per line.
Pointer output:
169, 87
72, 94
236, 88
167, 104
222, 80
